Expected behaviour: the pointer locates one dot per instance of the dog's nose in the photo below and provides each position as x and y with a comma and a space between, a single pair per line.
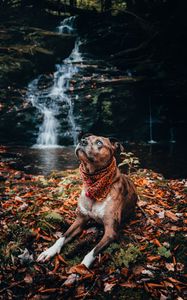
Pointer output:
83, 142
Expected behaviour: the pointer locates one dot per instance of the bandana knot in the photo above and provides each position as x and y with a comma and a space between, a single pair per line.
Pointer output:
98, 185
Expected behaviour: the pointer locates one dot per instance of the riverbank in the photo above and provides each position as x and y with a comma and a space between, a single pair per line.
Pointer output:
166, 158
148, 258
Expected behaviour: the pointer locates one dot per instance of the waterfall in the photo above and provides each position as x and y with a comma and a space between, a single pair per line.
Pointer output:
172, 139
49, 100
151, 141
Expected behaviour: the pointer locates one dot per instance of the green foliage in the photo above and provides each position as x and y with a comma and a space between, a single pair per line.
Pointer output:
162, 251
130, 161
125, 257
113, 248
97, 5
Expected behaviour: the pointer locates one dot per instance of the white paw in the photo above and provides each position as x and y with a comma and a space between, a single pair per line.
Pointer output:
56, 248
89, 259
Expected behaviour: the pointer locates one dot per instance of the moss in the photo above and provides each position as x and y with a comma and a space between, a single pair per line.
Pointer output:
54, 217
125, 257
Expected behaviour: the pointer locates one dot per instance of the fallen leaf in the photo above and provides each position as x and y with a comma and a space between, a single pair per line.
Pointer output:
137, 270
128, 284
170, 266
148, 272
171, 215
161, 214
108, 286
153, 257
80, 269
154, 285
28, 278
142, 203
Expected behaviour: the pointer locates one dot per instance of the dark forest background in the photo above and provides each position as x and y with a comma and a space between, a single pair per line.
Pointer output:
145, 40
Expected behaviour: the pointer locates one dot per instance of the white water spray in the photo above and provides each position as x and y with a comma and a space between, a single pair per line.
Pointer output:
48, 101
151, 141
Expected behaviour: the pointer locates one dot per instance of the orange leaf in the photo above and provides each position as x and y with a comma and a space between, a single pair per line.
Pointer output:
176, 281
153, 257
27, 195
57, 263
44, 237
171, 215
154, 285
156, 242
143, 247
80, 269
163, 203
128, 284
52, 290
124, 271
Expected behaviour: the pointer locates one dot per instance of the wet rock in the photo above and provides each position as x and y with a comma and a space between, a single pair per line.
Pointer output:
60, 45
19, 62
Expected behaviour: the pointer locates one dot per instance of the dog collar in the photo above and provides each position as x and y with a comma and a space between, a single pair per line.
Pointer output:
98, 185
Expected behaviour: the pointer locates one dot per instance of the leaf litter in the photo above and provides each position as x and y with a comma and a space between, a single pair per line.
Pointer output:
147, 259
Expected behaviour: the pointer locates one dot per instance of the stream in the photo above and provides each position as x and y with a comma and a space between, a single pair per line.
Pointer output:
167, 158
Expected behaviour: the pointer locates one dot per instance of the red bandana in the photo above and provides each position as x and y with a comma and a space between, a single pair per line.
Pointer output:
98, 185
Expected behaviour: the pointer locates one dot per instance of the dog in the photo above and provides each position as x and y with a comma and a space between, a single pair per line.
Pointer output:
108, 196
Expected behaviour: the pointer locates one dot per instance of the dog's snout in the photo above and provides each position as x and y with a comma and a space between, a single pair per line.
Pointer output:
84, 142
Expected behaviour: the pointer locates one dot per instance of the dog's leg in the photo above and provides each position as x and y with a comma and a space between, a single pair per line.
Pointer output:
109, 236
72, 231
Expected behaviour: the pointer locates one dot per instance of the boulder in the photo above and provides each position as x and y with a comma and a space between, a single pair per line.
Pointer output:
31, 52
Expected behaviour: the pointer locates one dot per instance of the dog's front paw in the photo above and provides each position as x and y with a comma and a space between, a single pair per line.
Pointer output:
47, 254
52, 251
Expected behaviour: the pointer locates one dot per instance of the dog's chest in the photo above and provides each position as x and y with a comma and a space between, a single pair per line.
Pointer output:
92, 209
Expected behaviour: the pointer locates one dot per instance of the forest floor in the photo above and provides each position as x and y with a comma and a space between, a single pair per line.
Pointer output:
146, 262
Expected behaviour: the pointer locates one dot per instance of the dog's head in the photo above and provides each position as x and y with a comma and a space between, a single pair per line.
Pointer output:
96, 152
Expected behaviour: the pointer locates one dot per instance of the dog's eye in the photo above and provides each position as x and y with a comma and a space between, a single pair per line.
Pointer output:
99, 143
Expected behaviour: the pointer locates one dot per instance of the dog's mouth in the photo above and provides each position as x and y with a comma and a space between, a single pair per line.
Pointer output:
82, 154
79, 149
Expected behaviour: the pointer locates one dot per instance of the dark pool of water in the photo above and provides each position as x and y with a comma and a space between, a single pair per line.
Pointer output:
168, 159
40, 161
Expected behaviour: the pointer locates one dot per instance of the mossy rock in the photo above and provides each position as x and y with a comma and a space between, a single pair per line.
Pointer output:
14, 69
54, 217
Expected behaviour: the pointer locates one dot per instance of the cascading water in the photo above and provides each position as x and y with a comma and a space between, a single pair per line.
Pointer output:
49, 100
151, 141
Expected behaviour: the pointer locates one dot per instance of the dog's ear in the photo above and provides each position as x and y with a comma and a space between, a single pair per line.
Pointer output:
118, 148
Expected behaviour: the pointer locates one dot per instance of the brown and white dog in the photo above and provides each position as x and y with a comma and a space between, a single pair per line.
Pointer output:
107, 196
